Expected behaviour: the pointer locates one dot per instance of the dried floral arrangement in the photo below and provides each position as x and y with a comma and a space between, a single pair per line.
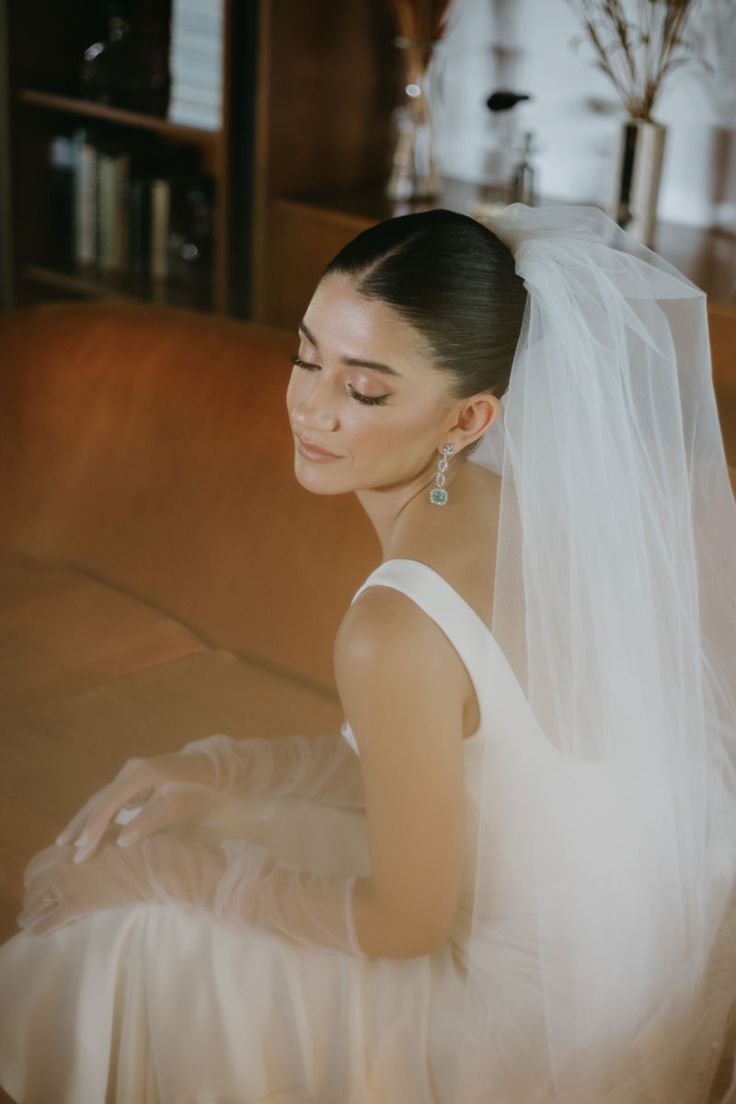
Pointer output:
420, 23
638, 56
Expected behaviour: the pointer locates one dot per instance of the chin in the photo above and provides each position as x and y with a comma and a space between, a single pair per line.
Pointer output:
317, 481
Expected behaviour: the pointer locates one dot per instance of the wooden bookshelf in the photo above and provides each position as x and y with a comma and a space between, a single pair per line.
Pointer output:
45, 101
87, 109
41, 113
88, 283
307, 98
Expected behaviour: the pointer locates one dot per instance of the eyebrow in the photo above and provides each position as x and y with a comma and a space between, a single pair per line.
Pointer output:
354, 362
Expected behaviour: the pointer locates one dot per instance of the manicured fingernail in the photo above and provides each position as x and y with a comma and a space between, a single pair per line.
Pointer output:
125, 839
81, 854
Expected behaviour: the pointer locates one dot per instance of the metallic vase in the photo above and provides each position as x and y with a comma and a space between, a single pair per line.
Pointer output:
637, 177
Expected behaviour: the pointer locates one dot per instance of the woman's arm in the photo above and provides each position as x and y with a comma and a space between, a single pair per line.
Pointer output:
168, 787
323, 767
403, 687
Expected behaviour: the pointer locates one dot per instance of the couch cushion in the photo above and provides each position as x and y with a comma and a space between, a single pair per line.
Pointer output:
56, 754
61, 631
151, 447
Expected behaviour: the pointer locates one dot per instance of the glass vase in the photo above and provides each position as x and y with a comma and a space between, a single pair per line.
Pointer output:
413, 173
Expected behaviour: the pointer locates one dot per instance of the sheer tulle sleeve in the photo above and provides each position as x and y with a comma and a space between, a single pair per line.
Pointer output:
237, 881
157, 791
323, 767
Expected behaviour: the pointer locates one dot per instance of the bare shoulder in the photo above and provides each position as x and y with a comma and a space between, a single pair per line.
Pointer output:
387, 645
385, 626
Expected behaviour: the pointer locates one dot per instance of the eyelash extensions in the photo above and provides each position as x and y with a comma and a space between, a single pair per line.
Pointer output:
366, 400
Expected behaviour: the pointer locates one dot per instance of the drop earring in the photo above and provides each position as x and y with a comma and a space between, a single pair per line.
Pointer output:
438, 494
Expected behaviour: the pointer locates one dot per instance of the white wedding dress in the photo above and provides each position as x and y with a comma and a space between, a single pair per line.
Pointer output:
153, 1003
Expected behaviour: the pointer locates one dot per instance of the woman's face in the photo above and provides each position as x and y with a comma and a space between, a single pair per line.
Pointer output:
367, 408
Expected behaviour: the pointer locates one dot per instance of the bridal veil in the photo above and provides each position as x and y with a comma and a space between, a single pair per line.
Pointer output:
615, 606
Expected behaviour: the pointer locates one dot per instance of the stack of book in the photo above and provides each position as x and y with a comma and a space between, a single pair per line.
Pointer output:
126, 210
195, 63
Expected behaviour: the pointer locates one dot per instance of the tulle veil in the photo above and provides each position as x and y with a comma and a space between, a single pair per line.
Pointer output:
615, 607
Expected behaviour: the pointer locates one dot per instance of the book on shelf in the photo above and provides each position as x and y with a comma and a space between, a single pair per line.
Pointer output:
140, 208
113, 168
202, 87
139, 224
85, 198
190, 235
197, 15
61, 202
195, 63
160, 207
186, 113
107, 243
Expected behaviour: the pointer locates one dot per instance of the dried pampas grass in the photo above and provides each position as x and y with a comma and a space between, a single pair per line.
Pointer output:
637, 56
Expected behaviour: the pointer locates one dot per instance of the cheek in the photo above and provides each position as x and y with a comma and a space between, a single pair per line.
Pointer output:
292, 390
365, 438
297, 392
389, 439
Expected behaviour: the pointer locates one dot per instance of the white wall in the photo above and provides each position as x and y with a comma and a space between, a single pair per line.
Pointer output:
525, 45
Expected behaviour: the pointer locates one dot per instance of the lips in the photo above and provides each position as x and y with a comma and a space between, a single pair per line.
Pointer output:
315, 451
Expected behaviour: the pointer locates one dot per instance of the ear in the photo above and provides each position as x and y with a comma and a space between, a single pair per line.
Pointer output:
472, 418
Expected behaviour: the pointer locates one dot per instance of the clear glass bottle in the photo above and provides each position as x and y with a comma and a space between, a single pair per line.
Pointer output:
413, 173
523, 181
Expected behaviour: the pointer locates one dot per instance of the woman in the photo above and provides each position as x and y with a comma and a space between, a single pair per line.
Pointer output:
538, 681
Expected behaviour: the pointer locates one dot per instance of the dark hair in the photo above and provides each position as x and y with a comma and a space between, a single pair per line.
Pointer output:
455, 281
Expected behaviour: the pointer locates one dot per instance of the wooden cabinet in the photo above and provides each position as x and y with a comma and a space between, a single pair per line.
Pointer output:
45, 44
309, 228
307, 87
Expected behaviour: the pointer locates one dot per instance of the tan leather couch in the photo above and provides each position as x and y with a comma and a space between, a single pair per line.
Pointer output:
162, 574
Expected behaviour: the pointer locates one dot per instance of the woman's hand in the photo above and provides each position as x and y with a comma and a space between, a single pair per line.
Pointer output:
165, 787
236, 881
58, 889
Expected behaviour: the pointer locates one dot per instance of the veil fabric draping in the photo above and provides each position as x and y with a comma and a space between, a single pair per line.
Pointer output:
615, 606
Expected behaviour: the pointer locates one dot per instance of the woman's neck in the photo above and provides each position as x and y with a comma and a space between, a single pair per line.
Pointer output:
394, 510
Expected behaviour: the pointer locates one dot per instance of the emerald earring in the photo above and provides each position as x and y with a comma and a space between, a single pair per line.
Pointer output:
438, 494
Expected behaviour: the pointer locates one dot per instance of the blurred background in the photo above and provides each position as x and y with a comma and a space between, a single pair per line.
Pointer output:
214, 154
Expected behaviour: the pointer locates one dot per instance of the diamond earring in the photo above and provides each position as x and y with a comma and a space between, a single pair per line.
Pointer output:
438, 494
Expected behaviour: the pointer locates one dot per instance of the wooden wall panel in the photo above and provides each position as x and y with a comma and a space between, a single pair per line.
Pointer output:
329, 79
303, 242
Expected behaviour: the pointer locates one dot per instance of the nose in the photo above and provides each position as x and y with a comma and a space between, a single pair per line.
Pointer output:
313, 409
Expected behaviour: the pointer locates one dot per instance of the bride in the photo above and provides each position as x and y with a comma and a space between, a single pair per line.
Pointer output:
510, 879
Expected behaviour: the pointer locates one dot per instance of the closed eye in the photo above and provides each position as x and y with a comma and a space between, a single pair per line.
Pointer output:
299, 363
366, 400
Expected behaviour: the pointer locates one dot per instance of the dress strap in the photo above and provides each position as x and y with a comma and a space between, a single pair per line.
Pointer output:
462, 626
